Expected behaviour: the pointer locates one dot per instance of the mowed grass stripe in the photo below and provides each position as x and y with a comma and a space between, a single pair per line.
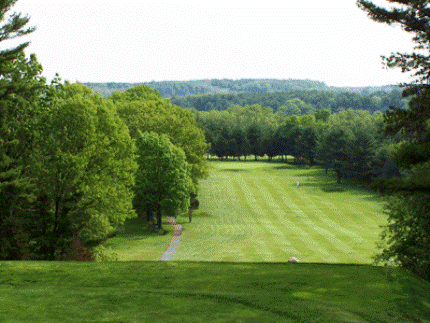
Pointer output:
368, 229
256, 216
293, 218
350, 230
208, 239
257, 213
346, 242
341, 213
221, 235
340, 227
366, 224
337, 217
321, 233
277, 225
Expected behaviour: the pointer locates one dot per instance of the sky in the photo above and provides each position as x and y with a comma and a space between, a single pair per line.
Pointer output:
332, 41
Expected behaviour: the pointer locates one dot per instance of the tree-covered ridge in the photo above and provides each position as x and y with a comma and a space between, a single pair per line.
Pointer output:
305, 100
206, 95
225, 86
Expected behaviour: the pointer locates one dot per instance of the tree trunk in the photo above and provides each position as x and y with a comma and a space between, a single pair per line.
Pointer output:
190, 213
149, 216
159, 217
339, 176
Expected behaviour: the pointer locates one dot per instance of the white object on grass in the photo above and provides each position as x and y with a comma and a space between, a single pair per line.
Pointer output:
298, 184
293, 259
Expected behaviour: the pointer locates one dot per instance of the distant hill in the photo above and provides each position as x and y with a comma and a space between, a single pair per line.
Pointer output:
227, 86
205, 95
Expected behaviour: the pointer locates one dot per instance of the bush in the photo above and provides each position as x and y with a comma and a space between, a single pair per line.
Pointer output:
102, 253
406, 237
77, 252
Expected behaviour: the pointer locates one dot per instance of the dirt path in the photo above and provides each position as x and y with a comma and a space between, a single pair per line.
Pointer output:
174, 243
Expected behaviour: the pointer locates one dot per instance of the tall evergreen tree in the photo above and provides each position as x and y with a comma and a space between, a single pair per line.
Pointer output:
13, 27
20, 85
407, 234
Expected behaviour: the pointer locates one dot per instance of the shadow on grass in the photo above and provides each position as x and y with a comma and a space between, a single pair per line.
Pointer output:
139, 229
201, 214
232, 170
289, 166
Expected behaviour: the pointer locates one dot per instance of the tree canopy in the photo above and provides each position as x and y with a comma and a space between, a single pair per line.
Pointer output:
143, 108
163, 182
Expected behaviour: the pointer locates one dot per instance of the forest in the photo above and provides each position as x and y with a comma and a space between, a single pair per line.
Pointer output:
170, 89
305, 94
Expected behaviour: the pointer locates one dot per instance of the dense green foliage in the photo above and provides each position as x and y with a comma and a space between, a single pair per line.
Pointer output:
143, 108
407, 234
71, 181
20, 86
303, 100
84, 171
163, 182
305, 95
348, 142
184, 88
227, 86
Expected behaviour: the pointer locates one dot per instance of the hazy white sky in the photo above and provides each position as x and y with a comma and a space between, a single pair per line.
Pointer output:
138, 41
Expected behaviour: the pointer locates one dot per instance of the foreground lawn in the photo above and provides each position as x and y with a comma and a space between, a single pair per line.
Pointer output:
253, 211
217, 292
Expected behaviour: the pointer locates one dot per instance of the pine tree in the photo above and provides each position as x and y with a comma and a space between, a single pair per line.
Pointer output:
20, 85
407, 234
14, 27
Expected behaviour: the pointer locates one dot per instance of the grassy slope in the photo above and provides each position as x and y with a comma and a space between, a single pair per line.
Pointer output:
255, 212
219, 292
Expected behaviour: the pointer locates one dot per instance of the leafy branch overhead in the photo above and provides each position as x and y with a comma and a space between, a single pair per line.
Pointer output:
412, 17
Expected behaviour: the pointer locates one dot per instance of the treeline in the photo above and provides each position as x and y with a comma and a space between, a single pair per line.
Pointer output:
169, 89
185, 88
300, 101
74, 165
350, 142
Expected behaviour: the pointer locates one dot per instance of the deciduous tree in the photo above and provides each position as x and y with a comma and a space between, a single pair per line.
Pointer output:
163, 182
83, 164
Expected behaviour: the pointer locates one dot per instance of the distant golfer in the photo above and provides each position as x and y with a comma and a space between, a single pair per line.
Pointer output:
298, 184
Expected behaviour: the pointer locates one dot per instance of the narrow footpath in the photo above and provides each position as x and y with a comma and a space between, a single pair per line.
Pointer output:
174, 243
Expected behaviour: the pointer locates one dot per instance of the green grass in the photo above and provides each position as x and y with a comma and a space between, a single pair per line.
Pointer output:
218, 292
251, 220
134, 241
254, 212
